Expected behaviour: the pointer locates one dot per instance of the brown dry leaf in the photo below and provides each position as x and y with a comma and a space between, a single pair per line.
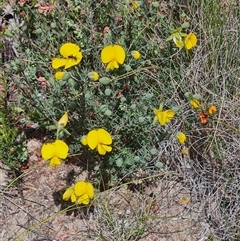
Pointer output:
22, 2
43, 82
47, 8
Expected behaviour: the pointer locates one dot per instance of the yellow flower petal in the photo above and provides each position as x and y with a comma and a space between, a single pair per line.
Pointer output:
80, 188
185, 201
67, 194
155, 111
104, 137
47, 151
107, 54
63, 121
113, 55
61, 149
195, 103
110, 66
57, 63
92, 139
185, 151
74, 60
181, 137
162, 115
84, 199
90, 190
59, 75
100, 149
190, 41
119, 53
73, 198
178, 42
170, 115
69, 49
115, 64
55, 161
107, 148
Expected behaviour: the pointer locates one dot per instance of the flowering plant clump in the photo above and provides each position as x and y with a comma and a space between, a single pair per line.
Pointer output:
71, 56
81, 193
163, 116
55, 152
99, 139
113, 55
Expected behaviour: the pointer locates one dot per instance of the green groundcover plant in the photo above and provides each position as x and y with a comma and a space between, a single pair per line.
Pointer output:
131, 88
94, 72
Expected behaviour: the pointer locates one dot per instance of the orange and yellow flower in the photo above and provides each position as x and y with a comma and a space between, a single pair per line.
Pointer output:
212, 109
203, 116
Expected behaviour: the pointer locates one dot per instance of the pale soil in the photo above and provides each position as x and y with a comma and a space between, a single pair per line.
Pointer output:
149, 211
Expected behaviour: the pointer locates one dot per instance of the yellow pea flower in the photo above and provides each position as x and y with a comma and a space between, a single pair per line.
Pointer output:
71, 56
181, 137
55, 152
84, 192
98, 139
113, 55
190, 41
163, 116
81, 193
212, 109
195, 103
185, 201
